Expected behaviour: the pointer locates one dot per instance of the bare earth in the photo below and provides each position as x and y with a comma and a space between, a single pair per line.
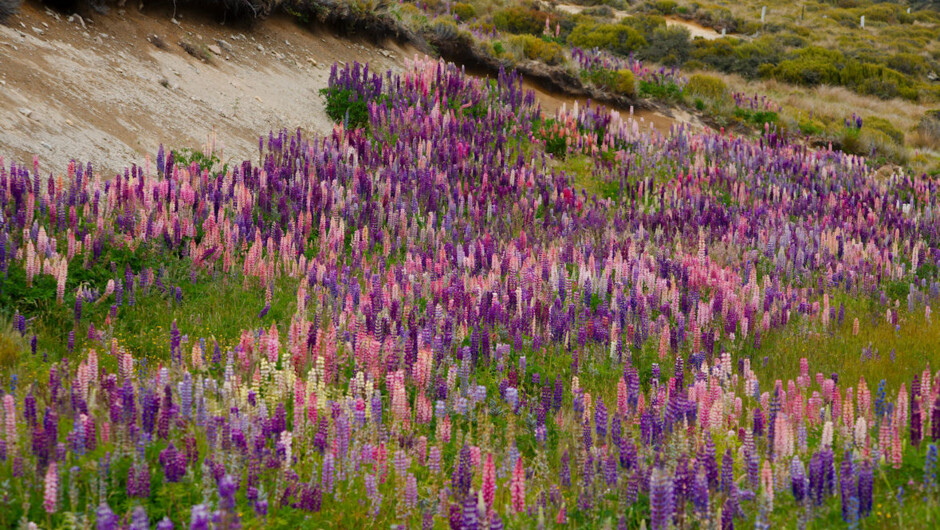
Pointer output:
110, 91
102, 92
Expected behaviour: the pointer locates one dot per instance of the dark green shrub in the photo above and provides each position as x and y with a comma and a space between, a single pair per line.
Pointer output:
613, 37
662, 91
811, 66
341, 104
520, 20
666, 7
717, 54
877, 80
668, 45
645, 24
908, 63
882, 13
464, 11
444, 28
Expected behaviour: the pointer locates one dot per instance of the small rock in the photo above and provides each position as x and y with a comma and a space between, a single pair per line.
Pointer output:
26, 112
68, 122
260, 48
215, 49
38, 31
312, 61
47, 145
173, 20
224, 45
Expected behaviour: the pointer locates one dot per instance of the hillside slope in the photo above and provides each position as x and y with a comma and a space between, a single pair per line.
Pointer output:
103, 91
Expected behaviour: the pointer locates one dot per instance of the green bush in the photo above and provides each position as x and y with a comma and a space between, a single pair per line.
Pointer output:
707, 87
668, 45
520, 20
880, 124
625, 83
877, 80
666, 7
343, 103
756, 117
719, 54
811, 66
645, 24
750, 56
445, 28
613, 37
536, 49
883, 13
662, 91
464, 11
811, 126
908, 63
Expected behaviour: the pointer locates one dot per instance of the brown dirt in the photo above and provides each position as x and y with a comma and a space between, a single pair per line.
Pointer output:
102, 92
111, 89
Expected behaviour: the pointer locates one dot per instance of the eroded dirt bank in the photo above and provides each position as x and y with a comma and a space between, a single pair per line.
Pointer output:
111, 89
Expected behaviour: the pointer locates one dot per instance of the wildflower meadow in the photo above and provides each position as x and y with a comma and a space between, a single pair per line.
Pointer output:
460, 311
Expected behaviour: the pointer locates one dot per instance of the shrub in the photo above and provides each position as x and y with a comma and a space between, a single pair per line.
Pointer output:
877, 80
908, 63
882, 13
707, 87
666, 7
444, 28
613, 37
520, 20
717, 54
750, 56
537, 49
645, 24
669, 45
625, 83
464, 11
811, 66
667, 91
8, 8
880, 124
341, 104
811, 126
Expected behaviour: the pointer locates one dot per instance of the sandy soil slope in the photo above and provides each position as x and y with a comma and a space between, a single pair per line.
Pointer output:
101, 90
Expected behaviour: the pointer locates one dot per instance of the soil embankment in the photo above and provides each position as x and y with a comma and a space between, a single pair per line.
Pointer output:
110, 89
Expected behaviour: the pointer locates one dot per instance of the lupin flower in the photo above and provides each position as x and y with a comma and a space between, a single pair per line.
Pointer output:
517, 487
106, 520
51, 488
662, 504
